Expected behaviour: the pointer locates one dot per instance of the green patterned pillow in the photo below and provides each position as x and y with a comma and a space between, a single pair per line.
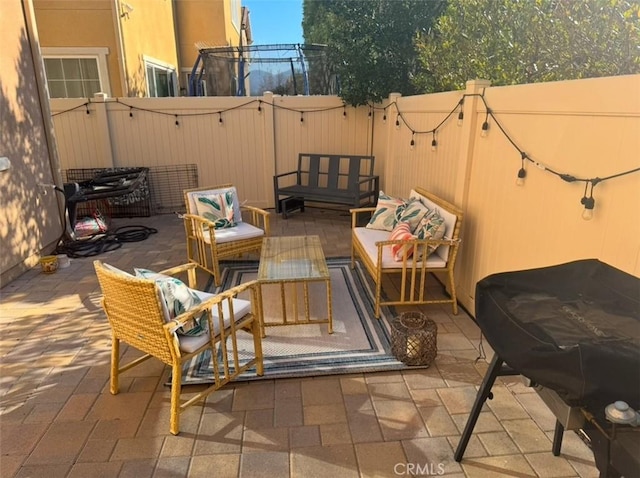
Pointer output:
218, 208
431, 226
179, 299
387, 213
412, 213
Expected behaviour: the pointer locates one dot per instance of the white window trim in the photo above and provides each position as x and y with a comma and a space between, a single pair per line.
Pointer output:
162, 64
99, 53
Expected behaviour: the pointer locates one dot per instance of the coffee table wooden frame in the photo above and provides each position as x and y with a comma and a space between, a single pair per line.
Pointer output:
292, 260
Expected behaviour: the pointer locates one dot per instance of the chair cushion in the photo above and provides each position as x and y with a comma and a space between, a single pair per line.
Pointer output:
402, 231
368, 238
192, 201
243, 230
384, 217
178, 298
241, 307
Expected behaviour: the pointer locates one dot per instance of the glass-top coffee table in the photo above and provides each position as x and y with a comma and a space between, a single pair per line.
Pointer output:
294, 261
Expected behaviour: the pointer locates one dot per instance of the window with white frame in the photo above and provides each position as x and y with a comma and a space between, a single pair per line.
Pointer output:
161, 79
76, 72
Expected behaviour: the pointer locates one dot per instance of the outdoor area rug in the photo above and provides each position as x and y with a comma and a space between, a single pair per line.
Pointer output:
360, 342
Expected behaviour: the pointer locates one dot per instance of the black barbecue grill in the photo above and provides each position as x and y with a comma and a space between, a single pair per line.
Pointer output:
573, 330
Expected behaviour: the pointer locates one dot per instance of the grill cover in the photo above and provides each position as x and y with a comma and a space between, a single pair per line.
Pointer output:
573, 327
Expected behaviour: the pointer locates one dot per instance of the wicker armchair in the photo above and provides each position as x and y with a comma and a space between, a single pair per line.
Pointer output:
207, 245
138, 316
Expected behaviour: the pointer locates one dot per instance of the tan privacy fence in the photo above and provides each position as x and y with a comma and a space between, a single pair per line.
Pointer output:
573, 139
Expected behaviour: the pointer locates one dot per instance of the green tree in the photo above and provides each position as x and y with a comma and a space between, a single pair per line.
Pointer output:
370, 42
528, 41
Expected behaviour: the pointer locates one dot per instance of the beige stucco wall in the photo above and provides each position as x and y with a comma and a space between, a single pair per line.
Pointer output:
148, 31
70, 23
29, 217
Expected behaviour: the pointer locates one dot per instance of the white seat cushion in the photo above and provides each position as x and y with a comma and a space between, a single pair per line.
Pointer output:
241, 308
368, 239
242, 230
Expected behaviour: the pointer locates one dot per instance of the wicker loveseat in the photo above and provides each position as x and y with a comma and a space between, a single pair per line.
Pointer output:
373, 247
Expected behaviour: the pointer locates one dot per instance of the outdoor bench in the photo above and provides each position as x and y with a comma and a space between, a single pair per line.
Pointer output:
374, 249
327, 178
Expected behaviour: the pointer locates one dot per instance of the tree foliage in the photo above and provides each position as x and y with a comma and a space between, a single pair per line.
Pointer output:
527, 41
371, 43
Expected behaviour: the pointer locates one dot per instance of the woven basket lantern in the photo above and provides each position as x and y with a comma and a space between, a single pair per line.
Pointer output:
414, 339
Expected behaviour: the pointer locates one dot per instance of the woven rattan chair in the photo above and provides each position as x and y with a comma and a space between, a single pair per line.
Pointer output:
138, 317
206, 245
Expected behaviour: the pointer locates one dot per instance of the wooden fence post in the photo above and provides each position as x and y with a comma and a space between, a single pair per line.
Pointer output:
104, 148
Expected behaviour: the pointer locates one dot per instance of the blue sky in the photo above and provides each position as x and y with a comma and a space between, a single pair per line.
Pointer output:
275, 21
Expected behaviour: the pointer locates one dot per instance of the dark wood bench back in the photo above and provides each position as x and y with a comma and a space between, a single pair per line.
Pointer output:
333, 171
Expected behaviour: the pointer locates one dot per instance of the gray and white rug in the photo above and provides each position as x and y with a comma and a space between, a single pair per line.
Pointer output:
359, 343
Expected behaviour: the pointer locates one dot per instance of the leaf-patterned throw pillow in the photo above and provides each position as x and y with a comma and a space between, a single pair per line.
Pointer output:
401, 232
431, 226
217, 208
412, 213
179, 299
387, 213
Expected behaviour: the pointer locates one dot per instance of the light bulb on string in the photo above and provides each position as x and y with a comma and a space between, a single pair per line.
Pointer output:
130, 112
301, 117
370, 114
588, 203
434, 143
522, 173
413, 141
384, 116
344, 112
86, 105
398, 122
460, 118
259, 107
485, 125
220, 122
177, 122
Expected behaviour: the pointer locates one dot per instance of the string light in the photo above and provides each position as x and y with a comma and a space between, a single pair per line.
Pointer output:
522, 173
485, 125
344, 112
587, 200
370, 114
413, 141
